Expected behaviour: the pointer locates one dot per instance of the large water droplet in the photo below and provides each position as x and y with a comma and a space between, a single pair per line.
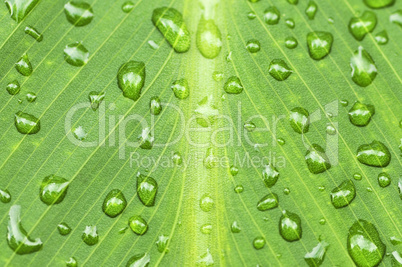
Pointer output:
319, 44
17, 238
24, 66
382, 37
360, 114
290, 227
375, 154
180, 89
138, 225
316, 159
299, 120
139, 260
26, 123
364, 244
311, 10
291, 42
34, 33
259, 242
95, 98
360, 26
209, 39
379, 3
131, 79
78, 13
13, 87
161, 243
270, 175
170, 23
19, 9
5, 196
63, 228
272, 15
147, 189
155, 105
396, 17
253, 46
268, 202
206, 112
233, 85
363, 67
315, 257
53, 189
279, 70
114, 203
384, 179
343, 195
76, 54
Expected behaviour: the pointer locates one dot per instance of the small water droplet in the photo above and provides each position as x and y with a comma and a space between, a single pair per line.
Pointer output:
395, 240
290, 227
382, 37
139, 260
249, 126
311, 10
384, 179
147, 189
155, 105
34, 33
5, 196
206, 203
206, 112
253, 46
229, 57
217, 76
127, 7
363, 67
63, 228
13, 87
357, 176
321, 188
180, 89
146, 139
259, 242
279, 70
343, 195
78, 13
177, 159
208, 38
344, 102
206, 259
239, 189
330, 130
375, 154
76, 54
331, 20
206, 229
319, 44
95, 98
360, 26
396, 259
272, 15
53, 189
79, 133
293, 2
234, 170
281, 141
210, 160
286, 191
299, 120
364, 244
31, 97
24, 66
170, 23
131, 79
71, 262
114, 203
153, 45
268, 202
400, 187
161, 243
291, 42
396, 17
316, 159
322, 221
316, 257
235, 228
251, 15
233, 85
26, 123
138, 225
290, 23
270, 175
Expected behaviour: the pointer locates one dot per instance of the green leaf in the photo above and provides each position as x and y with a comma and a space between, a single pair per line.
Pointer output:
121, 137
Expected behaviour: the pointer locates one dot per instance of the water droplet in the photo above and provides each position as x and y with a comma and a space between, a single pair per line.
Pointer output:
400, 187
13, 87
63, 228
316, 159
357, 176
268, 202
114, 203
147, 189
123, 230
146, 139
138, 225
363, 67
361, 114
291, 42
360, 26
170, 23
72, 262
206, 229
180, 89
233, 85
311, 10
290, 226
234, 170
155, 105
139, 260
76, 54
396, 17
364, 244
344, 102
17, 237
78, 13
281, 141
34, 33
131, 79
217, 76
321, 188
153, 45
127, 7
206, 203
24, 66
259, 242
293, 2
379, 3
382, 37
208, 39
31, 97
396, 259
95, 98
299, 120
239, 189
177, 158
5, 196
322, 221
343, 195
53, 189
26, 123
395, 240
206, 112
290, 23
235, 228
319, 44
161, 243
210, 160
272, 15
286, 191
270, 175
375, 154
19, 9
251, 15
253, 46
330, 20
79, 133
249, 126
330, 130
384, 179
279, 70
317, 254
206, 259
